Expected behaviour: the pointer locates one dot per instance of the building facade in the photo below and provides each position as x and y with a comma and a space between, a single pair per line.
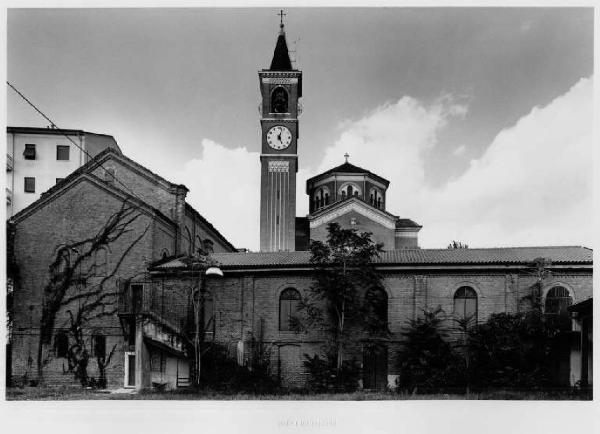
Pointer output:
146, 265
259, 293
38, 158
78, 251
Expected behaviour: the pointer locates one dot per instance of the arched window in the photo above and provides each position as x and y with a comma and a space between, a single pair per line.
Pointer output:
465, 304
289, 301
379, 202
556, 307
376, 302
279, 100
349, 190
321, 198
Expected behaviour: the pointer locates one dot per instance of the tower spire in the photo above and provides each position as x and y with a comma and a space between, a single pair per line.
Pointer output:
281, 57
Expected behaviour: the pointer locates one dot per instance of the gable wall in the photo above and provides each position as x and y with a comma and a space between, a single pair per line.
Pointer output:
381, 234
150, 191
74, 215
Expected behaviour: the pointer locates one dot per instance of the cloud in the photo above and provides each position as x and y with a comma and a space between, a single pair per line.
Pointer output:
225, 188
531, 186
459, 150
393, 141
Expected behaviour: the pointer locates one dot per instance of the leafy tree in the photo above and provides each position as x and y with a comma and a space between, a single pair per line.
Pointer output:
511, 350
428, 362
539, 268
342, 299
457, 245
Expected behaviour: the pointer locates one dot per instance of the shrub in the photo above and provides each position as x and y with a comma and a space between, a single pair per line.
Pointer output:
221, 372
428, 362
511, 350
323, 375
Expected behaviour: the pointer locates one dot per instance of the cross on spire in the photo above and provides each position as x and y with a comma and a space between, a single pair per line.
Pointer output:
281, 15
346, 156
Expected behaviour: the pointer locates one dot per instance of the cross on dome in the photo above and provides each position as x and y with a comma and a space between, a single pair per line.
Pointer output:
346, 156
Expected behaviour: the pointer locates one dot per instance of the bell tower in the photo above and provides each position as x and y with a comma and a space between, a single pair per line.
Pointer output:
280, 88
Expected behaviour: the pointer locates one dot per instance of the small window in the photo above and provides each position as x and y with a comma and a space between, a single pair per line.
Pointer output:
279, 101
62, 152
59, 180
29, 184
29, 152
99, 346
61, 344
289, 302
158, 361
465, 304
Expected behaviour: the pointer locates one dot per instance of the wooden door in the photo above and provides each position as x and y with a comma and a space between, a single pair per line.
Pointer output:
375, 367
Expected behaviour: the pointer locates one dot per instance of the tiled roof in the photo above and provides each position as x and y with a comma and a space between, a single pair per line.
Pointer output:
349, 168
407, 223
500, 255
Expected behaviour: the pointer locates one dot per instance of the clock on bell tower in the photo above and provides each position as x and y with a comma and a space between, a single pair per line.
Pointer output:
280, 88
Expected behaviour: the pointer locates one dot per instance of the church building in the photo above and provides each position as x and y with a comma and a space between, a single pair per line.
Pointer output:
150, 269
348, 194
258, 297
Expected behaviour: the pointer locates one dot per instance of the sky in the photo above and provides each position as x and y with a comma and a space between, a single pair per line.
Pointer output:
481, 118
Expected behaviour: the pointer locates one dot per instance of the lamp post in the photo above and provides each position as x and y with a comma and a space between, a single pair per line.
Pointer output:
199, 302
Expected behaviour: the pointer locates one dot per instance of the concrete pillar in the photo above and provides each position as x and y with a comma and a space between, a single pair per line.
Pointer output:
142, 358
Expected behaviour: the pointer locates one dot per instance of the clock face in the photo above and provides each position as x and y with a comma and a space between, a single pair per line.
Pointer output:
279, 137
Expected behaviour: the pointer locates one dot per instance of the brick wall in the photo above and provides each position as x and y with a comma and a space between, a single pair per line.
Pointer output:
75, 214
241, 300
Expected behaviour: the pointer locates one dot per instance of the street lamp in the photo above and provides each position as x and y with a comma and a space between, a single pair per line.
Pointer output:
199, 303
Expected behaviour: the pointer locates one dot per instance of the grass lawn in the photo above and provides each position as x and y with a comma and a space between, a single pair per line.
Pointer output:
76, 393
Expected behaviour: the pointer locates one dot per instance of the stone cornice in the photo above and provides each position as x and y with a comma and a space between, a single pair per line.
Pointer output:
279, 74
356, 206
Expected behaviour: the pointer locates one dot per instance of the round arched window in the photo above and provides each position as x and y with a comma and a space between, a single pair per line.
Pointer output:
289, 302
279, 100
556, 307
465, 303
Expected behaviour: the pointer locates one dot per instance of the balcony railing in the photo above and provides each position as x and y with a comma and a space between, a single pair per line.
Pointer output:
9, 163
9, 196
158, 303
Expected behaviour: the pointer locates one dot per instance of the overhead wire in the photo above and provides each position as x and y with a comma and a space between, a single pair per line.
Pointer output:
55, 127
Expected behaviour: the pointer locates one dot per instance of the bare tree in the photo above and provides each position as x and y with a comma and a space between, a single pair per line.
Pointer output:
79, 287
